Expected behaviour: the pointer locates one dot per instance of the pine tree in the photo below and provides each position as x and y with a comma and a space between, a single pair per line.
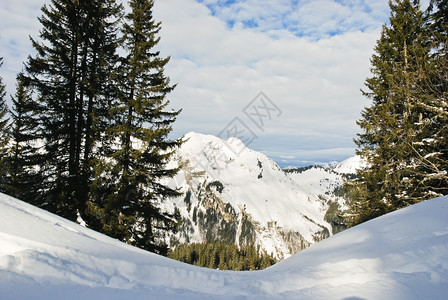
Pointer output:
433, 147
69, 76
24, 149
98, 91
392, 124
140, 147
52, 74
223, 256
439, 21
4, 134
3, 107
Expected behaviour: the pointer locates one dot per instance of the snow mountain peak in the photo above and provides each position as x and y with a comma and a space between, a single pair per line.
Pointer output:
237, 195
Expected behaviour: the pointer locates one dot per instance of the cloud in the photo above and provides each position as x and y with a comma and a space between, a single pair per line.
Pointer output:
220, 70
309, 57
18, 20
312, 18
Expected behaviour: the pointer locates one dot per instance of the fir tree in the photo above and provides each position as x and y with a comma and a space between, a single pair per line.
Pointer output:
433, 147
223, 256
4, 135
23, 180
3, 108
140, 148
69, 76
99, 61
392, 124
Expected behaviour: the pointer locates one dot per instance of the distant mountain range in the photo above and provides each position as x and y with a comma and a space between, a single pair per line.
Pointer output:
234, 194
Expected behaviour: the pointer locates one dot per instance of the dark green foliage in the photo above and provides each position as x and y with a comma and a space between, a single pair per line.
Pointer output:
24, 152
90, 128
439, 22
299, 169
335, 217
436, 158
248, 232
3, 108
136, 162
3, 132
69, 78
187, 200
405, 127
223, 256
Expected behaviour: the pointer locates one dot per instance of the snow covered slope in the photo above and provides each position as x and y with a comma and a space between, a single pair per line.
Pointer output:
236, 195
350, 165
403, 255
324, 184
324, 180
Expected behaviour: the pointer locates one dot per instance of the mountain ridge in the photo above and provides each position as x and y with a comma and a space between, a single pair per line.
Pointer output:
234, 194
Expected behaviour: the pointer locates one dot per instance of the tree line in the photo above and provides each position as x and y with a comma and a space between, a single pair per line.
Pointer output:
88, 129
223, 256
404, 138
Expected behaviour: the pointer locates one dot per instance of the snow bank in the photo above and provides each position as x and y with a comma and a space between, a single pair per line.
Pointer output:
403, 255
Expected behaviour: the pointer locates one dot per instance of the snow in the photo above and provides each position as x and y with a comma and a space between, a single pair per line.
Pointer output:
350, 165
253, 184
317, 181
402, 255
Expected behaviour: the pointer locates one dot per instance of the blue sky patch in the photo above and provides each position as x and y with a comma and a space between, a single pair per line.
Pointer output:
304, 18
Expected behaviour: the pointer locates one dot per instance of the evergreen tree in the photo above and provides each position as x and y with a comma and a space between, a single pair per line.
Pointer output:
439, 21
4, 127
3, 109
69, 76
140, 147
52, 74
223, 256
392, 125
434, 145
23, 180
98, 91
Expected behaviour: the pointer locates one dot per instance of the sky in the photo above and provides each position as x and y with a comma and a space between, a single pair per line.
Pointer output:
284, 76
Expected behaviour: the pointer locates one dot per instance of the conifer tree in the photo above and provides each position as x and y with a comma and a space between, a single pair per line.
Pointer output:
218, 255
97, 91
69, 76
4, 135
24, 149
52, 74
392, 124
3, 106
434, 145
140, 147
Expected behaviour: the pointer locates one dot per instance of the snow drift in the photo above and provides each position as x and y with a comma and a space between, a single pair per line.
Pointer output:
403, 255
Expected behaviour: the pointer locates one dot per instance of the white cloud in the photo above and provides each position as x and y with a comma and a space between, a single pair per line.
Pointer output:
312, 18
219, 68
18, 20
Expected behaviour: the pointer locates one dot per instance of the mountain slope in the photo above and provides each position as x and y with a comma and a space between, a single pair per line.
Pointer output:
403, 255
237, 195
